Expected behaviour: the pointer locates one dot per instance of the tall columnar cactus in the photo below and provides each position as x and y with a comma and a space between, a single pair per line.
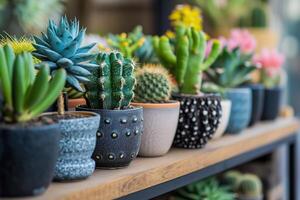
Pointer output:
250, 186
153, 84
111, 84
186, 60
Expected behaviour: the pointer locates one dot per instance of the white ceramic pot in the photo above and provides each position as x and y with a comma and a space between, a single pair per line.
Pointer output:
160, 123
226, 107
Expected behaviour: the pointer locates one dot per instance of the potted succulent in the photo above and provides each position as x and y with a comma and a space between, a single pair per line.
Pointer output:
109, 93
271, 62
199, 114
231, 179
250, 188
60, 48
153, 92
28, 143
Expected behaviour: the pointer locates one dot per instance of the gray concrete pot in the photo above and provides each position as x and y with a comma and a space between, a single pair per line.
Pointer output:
76, 146
226, 108
160, 123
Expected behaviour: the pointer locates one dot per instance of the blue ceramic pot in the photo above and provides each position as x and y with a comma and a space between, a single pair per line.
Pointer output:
76, 146
27, 155
118, 137
241, 107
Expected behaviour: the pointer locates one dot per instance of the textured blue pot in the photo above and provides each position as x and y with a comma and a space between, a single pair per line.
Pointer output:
76, 146
241, 99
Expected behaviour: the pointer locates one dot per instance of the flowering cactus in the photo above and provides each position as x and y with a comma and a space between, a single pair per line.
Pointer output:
270, 62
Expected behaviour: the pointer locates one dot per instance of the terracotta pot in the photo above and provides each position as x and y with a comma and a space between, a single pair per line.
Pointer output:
226, 107
160, 123
73, 103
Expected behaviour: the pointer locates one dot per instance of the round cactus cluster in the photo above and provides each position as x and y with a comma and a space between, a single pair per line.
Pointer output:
250, 186
154, 85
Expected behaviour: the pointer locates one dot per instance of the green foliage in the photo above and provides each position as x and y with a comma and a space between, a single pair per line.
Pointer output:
26, 95
154, 85
231, 69
259, 17
112, 83
60, 49
250, 186
73, 94
127, 44
146, 53
186, 58
208, 189
232, 179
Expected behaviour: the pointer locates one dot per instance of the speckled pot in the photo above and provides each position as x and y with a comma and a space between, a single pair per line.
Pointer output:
160, 123
226, 107
241, 105
76, 146
272, 102
27, 156
118, 137
198, 120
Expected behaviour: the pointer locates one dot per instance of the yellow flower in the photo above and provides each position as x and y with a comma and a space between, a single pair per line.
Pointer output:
186, 15
170, 34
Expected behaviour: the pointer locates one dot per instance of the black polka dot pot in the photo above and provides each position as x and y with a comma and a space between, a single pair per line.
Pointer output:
198, 120
118, 136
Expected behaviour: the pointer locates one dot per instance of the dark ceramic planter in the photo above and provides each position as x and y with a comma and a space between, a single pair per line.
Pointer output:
272, 103
257, 102
118, 136
241, 106
250, 198
198, 120
76, 146
27, 156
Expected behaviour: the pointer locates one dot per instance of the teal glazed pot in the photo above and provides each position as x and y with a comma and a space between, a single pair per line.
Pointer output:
27, 158
76, 146
241, 107
118, 137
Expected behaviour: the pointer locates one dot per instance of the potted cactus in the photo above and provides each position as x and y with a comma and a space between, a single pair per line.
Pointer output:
199, 114
28, 143
109, 93
60, 48
153, 92
250, 188
271, 63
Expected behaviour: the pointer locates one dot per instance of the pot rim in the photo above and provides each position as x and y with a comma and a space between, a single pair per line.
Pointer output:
84, 107
74, 102
86, 113
276, 88
168, 104
18, 126
239, 89
198, 96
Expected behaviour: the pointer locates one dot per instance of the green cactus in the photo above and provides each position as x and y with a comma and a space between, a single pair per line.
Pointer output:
186, 59
73, 94
60, 48
26, 95
250, 186
112, 83
232, 179
127, 44
153, 84
259, 17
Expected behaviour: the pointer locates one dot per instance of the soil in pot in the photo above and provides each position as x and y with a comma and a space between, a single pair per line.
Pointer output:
241, 106
226, 107
257, 102
118, 136
198, 120
272, 103
160, 123
27, 155
76, 145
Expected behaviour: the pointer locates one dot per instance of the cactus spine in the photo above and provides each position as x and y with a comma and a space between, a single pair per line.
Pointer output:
112, 83
250, 186
154, 84
187, 61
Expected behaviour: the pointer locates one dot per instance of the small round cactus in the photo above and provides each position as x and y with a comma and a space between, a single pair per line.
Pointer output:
232, 178
250, 186
154, 85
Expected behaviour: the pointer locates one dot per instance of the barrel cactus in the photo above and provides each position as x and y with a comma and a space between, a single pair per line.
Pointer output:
154, 84
60, 47
187, 59
111, 84
250, 186
232, 178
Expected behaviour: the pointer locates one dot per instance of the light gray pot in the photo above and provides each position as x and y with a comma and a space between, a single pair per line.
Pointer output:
226, 108
160, 123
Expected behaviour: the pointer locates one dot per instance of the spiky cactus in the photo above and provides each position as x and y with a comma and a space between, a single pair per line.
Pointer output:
61, 47
73, 94
112, 83
250, 186
186, 60
153, 84
232, 178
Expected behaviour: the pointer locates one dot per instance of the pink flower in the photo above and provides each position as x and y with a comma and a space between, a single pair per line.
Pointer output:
243, 39
270, 60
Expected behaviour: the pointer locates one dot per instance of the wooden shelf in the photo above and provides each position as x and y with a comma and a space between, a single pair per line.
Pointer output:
148, 172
